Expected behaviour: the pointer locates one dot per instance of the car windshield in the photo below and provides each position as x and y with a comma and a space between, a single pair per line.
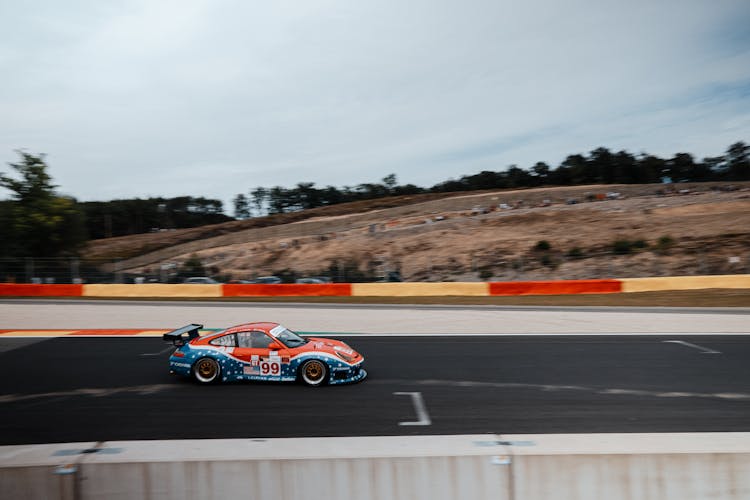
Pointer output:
288, 337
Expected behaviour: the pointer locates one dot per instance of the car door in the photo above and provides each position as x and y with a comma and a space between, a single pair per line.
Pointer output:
260, 361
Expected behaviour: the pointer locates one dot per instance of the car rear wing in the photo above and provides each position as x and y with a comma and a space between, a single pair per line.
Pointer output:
177, 337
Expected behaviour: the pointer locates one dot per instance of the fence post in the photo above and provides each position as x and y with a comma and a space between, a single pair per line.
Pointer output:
702, 263
75, 275
118, 275
29, 269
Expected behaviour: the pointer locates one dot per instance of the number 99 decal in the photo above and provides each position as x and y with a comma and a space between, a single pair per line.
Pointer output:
272, 368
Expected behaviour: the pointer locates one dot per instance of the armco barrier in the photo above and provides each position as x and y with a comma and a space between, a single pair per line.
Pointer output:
563, 287
29, 290
152, 290
685, 283
282, 290
555, 287
478, 467
418, 289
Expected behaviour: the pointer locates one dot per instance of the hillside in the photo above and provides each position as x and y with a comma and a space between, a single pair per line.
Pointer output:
489, 235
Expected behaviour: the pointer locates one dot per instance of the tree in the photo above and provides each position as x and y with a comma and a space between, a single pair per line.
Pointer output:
578, 170
389, 181
517, 177
541, 172
680, 167
738, 161
193, 266
241, 206
600, 167
37, 222
259, 196
651, 168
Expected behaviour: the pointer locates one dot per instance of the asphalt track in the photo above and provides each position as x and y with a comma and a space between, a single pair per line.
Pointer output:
89, 389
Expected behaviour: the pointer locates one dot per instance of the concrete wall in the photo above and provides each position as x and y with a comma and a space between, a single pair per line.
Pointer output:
419, 289
685, 283
560, 287
152, 290
476, 467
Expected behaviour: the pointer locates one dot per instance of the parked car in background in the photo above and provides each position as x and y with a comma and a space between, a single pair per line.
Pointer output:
309, 281
201, 280
267, 280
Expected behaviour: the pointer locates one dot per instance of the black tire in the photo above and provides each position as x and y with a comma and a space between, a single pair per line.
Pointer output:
313, 373
207, 371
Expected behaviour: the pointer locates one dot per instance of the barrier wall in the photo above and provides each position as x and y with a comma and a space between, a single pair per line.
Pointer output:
418, 289
284, 290
555, 287
685, 283
29, 290
152, 290
562, 287
478, 467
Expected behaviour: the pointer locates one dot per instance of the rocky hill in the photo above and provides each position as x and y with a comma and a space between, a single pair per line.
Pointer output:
546, 233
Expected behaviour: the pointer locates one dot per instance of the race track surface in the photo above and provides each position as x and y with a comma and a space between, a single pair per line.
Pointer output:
88, 389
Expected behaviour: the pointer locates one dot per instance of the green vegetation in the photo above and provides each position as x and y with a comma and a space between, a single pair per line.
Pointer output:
193, 266
485, 274
600, 166
664, 243
548, 261
542, 246
575, 253
36, 221
39, 222
105, 219
624, 247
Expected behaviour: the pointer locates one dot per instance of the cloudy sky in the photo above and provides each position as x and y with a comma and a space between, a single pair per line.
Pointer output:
213, 98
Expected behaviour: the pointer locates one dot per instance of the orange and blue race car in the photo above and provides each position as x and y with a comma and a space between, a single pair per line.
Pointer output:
262, 351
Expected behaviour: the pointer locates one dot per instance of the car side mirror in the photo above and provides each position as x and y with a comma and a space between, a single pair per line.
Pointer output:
274, 346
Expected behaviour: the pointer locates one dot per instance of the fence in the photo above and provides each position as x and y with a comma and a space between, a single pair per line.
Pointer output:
542, 265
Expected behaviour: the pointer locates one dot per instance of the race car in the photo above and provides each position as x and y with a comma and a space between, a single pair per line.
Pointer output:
262, 351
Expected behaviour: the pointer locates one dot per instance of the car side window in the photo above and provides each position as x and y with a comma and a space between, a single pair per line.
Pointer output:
244, 339
254, 340
261, 340
225, 341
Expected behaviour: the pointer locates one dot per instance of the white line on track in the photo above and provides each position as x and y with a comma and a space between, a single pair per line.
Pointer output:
168, 348
703, 350
422, 417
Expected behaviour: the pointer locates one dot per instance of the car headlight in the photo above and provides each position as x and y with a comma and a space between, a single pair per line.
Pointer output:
346, 357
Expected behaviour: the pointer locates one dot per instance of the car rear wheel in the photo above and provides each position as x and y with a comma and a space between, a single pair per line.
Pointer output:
206, 370
314, 372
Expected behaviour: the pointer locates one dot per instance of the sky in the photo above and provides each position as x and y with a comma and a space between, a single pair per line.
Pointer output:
213, 98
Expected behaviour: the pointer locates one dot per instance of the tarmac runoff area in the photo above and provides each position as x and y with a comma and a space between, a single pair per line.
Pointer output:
495, 391
30, 314
517, 370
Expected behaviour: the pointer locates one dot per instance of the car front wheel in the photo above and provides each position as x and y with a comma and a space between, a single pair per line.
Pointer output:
314, 372
206, 370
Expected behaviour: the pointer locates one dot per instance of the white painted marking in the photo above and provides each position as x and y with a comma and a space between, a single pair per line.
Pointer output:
160, 352
556, 388
703, 350
93, 392
419, 407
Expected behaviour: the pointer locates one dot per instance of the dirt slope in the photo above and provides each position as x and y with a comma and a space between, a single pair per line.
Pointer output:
704, 230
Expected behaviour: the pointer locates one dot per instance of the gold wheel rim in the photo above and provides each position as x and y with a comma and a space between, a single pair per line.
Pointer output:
206, 369
314, 371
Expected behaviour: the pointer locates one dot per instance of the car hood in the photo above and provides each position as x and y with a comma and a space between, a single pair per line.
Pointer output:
331, 346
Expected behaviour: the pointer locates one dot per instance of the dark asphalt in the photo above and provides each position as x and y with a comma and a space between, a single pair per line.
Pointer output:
65, 389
